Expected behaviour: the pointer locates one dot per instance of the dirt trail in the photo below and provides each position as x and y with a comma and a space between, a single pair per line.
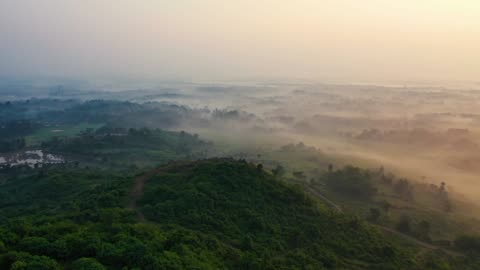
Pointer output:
338, 209
420, 243
332, 205
137, 192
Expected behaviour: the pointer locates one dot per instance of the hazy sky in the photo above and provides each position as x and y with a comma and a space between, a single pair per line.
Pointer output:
216, 39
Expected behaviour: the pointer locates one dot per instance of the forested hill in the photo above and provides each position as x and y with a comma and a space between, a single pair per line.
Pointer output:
208, 214
260, 223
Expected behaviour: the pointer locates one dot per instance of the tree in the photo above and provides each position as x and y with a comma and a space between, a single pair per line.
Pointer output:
442, 187
2, 247
423, 230
35, 245
403, 224
374, 215
443, 196
403, 188
381, 171
299, 175
388, 179
385, 205
259, 167
87, 264
468, 243
353, 182
279, 171
25, 261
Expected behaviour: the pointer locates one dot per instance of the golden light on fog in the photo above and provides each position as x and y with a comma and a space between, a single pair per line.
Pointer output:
344, 39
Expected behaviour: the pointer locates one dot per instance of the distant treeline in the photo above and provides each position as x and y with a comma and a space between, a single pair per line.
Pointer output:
115, 113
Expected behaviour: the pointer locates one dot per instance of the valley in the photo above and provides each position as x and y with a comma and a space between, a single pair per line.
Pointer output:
213, 174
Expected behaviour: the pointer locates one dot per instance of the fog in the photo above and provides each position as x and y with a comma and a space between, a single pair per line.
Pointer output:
368, 108
428, 134
374, 83
346, 40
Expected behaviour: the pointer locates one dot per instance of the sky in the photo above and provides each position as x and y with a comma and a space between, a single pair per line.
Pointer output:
350, 40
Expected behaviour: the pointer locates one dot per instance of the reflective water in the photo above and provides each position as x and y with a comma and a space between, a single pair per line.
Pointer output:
30, 158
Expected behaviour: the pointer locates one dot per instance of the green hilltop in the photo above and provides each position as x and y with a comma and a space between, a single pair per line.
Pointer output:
206, 214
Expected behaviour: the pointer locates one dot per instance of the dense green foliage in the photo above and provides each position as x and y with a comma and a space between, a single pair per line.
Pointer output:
12, 145
46, 192
210, 214
125, 147
54, 112
259, 218
17, 128
351, 181
468, 243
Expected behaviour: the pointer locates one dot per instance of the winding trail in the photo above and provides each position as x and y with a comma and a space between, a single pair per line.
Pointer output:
319, 195
425, 245
418, 242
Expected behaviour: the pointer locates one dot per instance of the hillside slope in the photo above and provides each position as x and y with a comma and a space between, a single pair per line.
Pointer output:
209, 214
262, 219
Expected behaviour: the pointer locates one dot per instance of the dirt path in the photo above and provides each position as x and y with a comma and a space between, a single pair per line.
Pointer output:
332, 205
137, 192
418, 242
425, 245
